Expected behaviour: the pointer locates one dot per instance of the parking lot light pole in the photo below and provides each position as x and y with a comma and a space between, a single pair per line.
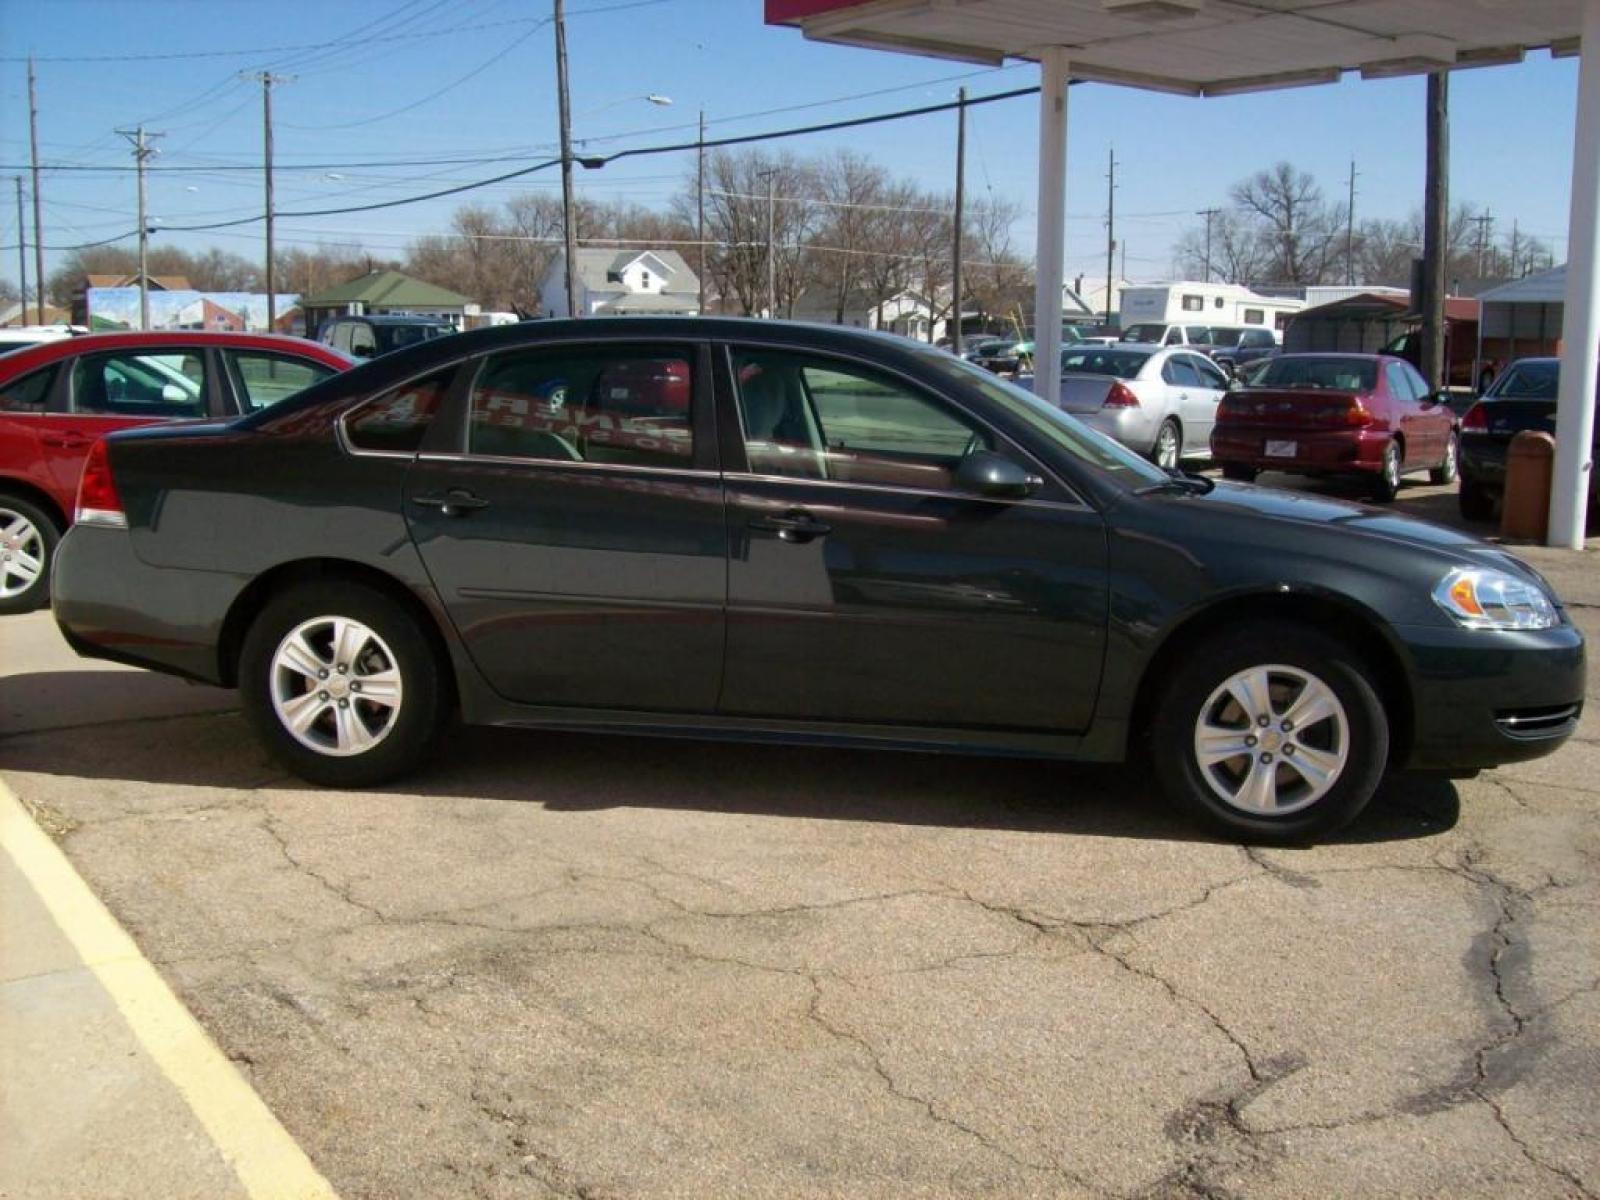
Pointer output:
1580, 329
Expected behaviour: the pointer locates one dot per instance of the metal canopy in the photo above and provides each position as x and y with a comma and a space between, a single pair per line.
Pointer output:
1203, 47
1227, 47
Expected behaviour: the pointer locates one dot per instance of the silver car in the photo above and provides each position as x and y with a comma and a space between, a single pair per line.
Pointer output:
1159, 402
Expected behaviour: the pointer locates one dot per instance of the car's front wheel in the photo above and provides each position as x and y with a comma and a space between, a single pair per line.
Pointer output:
342, 685
1273, 734
28, 539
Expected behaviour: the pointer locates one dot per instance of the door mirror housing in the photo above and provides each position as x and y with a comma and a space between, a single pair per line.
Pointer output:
989, 474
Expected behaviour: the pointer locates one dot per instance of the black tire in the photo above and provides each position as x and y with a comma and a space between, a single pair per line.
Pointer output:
1450, 466
425, 687
1476, 501
1386, 484
1239, 473
34, 533
1169, 432
1284, 644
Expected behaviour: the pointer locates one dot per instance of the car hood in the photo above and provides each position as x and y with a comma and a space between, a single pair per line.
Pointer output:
1358, 520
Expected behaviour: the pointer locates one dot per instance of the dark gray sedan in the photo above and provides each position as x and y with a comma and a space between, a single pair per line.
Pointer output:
741, 529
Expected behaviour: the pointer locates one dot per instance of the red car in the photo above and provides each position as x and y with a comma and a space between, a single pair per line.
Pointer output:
58, 398
1367, 415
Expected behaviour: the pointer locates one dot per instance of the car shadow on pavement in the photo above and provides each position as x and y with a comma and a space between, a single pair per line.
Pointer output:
123, 726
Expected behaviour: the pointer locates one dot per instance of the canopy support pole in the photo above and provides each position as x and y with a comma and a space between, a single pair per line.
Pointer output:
1050, 241
1580, 329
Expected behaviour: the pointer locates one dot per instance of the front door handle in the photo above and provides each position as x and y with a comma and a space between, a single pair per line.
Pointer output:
457, 502
66, 441
796, 526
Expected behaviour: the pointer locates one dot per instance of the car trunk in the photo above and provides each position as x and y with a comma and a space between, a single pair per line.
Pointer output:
1291, 408
1085, 393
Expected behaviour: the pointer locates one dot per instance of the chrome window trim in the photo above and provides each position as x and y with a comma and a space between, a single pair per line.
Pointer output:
930, 493
345, 444
505, 460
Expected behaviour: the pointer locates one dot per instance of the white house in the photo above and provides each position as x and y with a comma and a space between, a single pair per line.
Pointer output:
908, 313
623, 283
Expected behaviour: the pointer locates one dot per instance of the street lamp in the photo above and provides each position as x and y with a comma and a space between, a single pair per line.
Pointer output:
655, 98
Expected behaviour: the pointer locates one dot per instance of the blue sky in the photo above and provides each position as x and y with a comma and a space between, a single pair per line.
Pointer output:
1511, 126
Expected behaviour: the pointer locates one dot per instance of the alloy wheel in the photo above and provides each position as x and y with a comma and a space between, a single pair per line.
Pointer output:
1272, 740
1167, 447
336, 686
1391, 466
22, 553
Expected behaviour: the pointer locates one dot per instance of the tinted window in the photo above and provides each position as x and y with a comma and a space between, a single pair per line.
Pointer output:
1144, 334
393, 337
1199, 335
396, 421
263, 379
1104, 360
1179, 372
1210, 374
1307, 371
1524, 381
1225, 335
165, 384
1258, 339
818, 419
622, 404
29, 393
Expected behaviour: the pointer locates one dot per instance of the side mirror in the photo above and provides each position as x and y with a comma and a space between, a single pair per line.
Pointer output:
989, 474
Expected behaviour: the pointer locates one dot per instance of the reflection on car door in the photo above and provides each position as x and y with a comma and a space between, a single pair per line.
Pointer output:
863, 587
1210, 387
577, 538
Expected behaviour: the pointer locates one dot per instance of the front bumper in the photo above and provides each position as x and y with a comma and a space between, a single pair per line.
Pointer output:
1482, 698
111, 604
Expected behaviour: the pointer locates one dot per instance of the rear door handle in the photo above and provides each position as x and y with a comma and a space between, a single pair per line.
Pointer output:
796, 526
67, 441
457, 502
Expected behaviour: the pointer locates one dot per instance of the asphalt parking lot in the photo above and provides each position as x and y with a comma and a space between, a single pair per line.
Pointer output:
563, 965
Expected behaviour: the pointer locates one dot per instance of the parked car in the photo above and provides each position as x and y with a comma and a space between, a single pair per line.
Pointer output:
1005, 357
14, 338
1523, 397
1233, 346
1247, 374
1161, 403
846, 539
973, 347
1337, 414
1158, 333
368, 337
56, 398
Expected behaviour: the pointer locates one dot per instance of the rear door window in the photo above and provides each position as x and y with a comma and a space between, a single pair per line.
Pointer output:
1179, 372
29, 393
127, 383
397, 421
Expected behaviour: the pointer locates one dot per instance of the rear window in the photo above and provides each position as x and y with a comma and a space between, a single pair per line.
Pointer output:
397, 421
1123, 364
1529, 381
1145, 334
1223, 336
1336, 374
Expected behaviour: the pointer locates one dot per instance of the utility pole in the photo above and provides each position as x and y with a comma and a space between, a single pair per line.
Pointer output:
1111, 226
700, 208
1350, 231
22, 257
1436, 217
38, 223
1516, 246
1485, 222
266, 79
568, 229
955, 241
142, 152
772, 255
1209, 214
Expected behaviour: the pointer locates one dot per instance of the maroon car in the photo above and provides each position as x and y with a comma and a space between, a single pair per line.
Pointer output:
58, 398
1367, 415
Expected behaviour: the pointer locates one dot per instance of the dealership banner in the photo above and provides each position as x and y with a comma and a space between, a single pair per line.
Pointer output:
220, 312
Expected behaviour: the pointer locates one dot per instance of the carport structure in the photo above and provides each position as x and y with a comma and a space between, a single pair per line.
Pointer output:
1228, 47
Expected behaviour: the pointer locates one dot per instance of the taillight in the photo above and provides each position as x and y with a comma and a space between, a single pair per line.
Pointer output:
1231, 408
98, 502
1357, 414
1121, 396
1476, 420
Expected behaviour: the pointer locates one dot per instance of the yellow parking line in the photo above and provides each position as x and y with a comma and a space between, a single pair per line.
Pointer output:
266, 1159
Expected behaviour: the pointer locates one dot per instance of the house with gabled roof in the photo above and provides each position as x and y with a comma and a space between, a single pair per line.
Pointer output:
623, 283
386, 293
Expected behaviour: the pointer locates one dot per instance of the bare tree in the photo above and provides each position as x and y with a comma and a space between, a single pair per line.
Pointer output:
1001, 282
850, 188
1236, 251
1298, 228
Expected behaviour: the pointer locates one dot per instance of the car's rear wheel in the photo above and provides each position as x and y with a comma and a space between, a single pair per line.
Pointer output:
1273, 733
342, 684
1387, 485
28, 539
1239, 473
1450, 465
1476, 501
1168, 448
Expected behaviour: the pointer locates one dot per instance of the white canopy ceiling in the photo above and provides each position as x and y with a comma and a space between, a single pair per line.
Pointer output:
1203, 47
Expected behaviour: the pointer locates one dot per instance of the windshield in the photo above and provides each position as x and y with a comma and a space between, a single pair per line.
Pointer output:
1147, 334
1124, 364
1222, 336
1528, 381
1306, 371
1055, 426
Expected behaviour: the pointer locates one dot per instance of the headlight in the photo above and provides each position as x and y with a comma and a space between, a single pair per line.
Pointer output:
1483, 599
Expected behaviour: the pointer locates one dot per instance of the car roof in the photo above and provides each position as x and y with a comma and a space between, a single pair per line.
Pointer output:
38, 355
393, 319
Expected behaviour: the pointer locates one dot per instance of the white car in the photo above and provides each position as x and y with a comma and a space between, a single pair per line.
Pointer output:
19, 337
1159, 402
